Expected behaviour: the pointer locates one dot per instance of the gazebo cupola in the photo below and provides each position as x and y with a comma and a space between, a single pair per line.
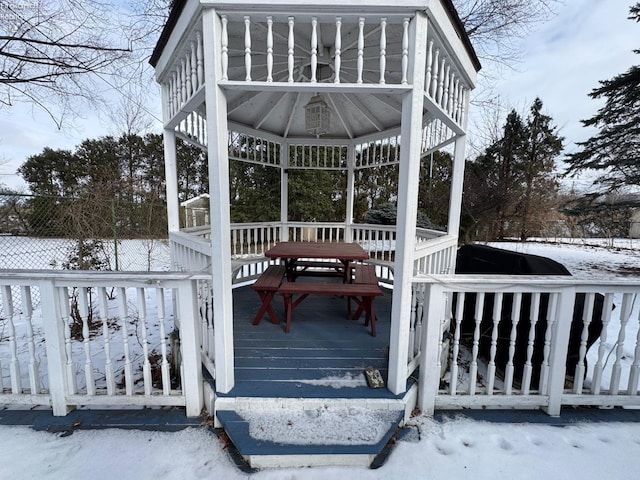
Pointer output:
325, 84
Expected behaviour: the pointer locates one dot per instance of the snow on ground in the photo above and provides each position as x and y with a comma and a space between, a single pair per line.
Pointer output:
451, 449
586, 259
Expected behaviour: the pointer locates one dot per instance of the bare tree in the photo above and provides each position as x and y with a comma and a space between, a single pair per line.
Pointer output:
492, 25
53, 53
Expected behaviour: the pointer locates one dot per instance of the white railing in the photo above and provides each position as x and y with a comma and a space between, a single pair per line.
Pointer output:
294, 49
99, 339
186, 80
435, 255
527, 342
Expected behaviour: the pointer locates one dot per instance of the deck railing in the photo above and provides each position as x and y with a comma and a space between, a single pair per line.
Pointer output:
100, 339
523, 342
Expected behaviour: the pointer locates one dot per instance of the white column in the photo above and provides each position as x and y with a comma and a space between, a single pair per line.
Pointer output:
411, 132
457, 180
284, 191
351, 162
171, 180
219, 203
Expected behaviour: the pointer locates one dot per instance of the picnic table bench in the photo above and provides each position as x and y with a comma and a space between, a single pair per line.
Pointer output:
266, 286
365, 293
364, 274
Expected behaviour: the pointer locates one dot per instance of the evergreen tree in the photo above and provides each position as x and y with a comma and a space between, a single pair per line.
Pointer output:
542, 146
513, 181
614, 151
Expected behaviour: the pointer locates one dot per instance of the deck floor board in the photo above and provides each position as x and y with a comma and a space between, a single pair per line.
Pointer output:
322, 349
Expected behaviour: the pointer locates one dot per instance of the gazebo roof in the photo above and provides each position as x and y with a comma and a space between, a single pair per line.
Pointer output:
271, 99
355, 5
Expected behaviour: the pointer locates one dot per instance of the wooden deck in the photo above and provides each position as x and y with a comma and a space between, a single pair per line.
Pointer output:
324, 355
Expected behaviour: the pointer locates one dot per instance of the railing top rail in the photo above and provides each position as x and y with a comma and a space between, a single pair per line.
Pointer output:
100, 277
527, 283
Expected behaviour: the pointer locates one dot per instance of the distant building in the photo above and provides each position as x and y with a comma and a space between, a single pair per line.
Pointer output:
196, 211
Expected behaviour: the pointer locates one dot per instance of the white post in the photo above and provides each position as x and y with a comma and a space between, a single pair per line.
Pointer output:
190, 341
457, 181
284, 192
411, 132
171, 182
53, 326
219, 203
559, 347
429, 379
351, 162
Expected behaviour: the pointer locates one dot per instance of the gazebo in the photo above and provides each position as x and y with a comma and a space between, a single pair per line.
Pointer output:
337, 85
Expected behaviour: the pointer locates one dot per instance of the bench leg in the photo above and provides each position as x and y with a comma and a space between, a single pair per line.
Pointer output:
371, 314
266, 297
287, 309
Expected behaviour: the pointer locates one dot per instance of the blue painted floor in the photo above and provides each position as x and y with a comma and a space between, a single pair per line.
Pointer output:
322, 344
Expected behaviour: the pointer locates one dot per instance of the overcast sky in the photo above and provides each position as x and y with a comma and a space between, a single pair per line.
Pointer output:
563, 60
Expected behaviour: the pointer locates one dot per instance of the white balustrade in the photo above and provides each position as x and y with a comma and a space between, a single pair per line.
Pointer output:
503, 332
106, 345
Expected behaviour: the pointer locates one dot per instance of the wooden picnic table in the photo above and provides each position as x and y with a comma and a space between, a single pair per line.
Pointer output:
296, 256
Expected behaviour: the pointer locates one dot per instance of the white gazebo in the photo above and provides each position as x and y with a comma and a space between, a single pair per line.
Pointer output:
338, 84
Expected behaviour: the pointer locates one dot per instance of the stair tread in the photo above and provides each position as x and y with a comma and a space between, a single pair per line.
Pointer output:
270, 436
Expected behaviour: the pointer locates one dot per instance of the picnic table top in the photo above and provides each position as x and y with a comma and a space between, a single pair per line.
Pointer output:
339, 250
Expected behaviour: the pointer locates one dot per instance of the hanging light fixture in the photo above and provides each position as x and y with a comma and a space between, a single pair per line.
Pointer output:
317, 116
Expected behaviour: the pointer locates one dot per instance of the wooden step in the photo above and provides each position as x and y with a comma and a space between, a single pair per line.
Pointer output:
326, 434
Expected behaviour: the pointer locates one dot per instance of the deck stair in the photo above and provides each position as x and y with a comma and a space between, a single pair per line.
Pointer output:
312, 377
322, 432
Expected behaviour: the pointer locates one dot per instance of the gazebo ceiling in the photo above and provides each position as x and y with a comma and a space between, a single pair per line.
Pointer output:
283, 113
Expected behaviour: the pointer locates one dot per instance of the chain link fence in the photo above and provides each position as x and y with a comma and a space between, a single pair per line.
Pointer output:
38, 232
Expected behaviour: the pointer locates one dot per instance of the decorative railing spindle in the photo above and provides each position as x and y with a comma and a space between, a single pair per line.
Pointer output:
456, 343
194, 69
429, 73
68, 320
14, 364
587, 315
188, 78
269, 49
434, 74
405, 50
164, 365
493, 349
338, 51
106, 340
83, 309
515, 318
314, 49
360, 61
142, 319
412, 323
533, 320
224, 46
124, 317
383, 49
634, 372
290, 49
34, 364
473, 371
183, 82
440, 89
247, 48
199, 59
546, 349
445, 94
599, 366
625, 314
